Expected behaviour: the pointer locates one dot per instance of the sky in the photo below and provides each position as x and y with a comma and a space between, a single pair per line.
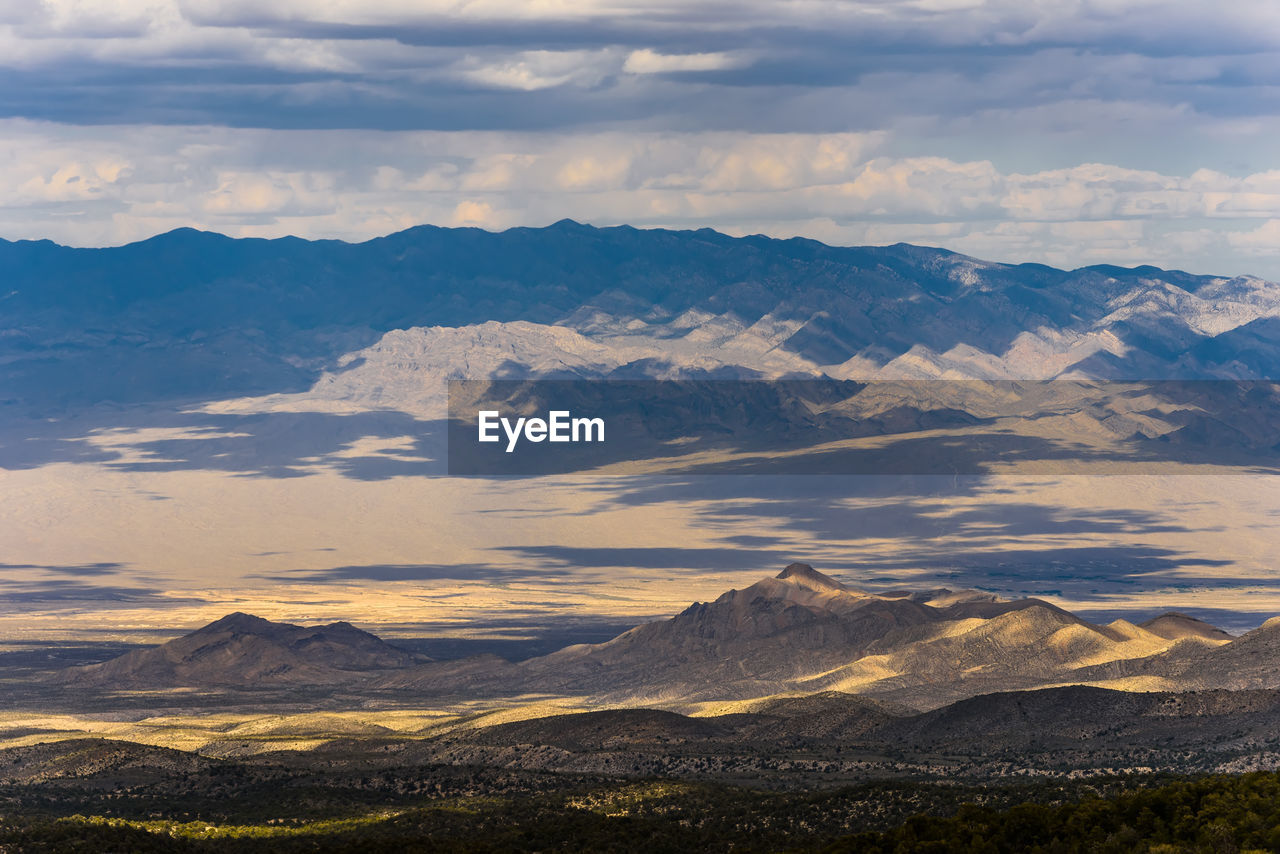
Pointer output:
1070, 133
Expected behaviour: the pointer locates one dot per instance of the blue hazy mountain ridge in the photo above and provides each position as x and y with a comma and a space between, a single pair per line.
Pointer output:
232, 317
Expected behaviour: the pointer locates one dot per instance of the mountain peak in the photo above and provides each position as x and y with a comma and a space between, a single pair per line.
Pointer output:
238, 621
258, 652
1174, 625
806, 576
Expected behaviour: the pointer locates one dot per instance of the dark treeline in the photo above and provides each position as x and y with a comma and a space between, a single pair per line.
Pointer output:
1209, 814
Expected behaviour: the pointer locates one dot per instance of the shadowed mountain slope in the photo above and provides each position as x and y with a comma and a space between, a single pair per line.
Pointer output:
800, 632
1078, 717
803, 631
1175, 626
1250, 661
1047, 731
247, 651
98, 763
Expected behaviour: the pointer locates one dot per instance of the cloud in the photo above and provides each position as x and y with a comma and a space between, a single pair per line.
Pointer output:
84, 569
538, 69
115, 184
815, 65
404, 572
1121, 130
717, 558
650, 62
1261, 242
476, 214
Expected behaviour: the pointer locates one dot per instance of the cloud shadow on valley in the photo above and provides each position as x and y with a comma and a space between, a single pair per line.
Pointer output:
271, 445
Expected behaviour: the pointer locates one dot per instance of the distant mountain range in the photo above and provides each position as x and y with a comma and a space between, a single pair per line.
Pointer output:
799, 633
194, 315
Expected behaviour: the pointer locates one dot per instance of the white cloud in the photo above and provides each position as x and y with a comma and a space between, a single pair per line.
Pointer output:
1263, 241
591, 172
110, 185
251, 194
538, 69
651, 62
476, 214
58, 180
92, 18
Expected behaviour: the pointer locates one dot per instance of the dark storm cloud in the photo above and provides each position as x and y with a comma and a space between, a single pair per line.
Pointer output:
703, 66
1195, 27
650, 557
522, 35
84, 569
404, 572
17, 594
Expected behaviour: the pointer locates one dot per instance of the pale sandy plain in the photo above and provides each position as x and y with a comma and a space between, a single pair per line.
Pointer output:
146, 523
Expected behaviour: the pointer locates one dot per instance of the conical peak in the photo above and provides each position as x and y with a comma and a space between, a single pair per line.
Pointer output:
806, 576
1174, 615
238, 621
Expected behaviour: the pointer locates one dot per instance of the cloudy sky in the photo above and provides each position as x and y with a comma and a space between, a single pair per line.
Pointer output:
1069, 132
